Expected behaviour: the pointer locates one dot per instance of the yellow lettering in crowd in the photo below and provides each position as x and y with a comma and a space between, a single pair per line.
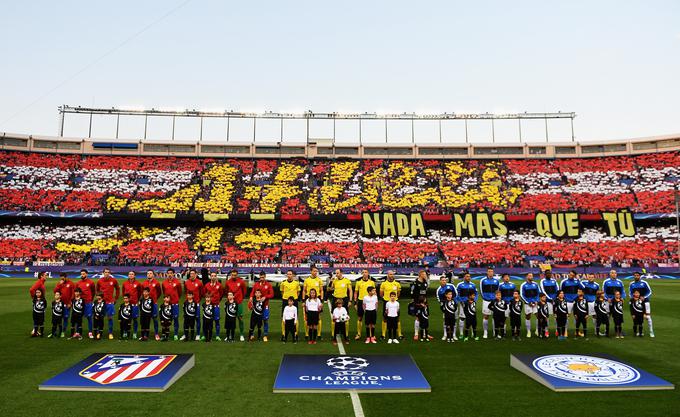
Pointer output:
222, 178
388, 224
417, 225
398, 186
558, 225
619, 223
257, 238
108, 243
463, 224
283, 188
479, 224
331, 197
393, 224
208, 239
452, 186
371, 224
483, 224
179, 201
500, 228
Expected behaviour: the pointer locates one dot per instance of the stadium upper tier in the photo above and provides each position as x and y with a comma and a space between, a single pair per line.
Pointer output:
125, 245
301, 188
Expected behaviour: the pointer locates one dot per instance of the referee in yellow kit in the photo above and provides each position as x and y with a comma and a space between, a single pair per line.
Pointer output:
387, 287
289, 288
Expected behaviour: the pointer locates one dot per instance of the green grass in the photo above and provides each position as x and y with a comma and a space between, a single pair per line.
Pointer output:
472, 378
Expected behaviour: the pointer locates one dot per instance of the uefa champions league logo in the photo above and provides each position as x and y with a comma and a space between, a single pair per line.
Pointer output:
586, 369
348, 365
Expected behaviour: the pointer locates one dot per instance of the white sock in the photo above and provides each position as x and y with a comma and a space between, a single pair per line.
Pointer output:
594, 323
527, 322
461, 326
416, 326
649, 322
485, 325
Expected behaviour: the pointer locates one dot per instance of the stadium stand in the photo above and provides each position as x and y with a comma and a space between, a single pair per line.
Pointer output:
300, 188
124, 245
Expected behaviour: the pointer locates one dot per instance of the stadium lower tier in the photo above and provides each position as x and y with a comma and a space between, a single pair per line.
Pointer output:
125, 245
303, 188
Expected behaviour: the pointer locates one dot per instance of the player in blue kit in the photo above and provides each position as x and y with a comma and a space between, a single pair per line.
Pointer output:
507, 288
570, 287
464, 289
642, 287
590, 289
488, 287
529, 291
444, 287
611, 285
549, 287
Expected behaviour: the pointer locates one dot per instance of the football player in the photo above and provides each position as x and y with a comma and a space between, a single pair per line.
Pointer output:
488, 287
529, 292
641, 286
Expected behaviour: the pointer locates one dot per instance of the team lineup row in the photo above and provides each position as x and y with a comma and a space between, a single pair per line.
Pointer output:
150, 301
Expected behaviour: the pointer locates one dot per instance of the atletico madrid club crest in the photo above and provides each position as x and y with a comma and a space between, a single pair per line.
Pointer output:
122, 372
112, 369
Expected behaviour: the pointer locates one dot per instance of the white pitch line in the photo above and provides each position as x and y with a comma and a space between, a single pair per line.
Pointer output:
353, 394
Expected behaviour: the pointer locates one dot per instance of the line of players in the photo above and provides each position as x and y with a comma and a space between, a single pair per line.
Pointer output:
501, 300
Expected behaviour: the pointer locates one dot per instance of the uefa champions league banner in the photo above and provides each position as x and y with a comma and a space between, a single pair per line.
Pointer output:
575, 372
342, 373
122, 372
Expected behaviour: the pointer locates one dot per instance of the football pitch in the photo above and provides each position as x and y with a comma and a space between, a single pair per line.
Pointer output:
471, 378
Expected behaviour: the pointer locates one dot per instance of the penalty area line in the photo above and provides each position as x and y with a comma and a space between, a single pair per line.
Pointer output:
353, 394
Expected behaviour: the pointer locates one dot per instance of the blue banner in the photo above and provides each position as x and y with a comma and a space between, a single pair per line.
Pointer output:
51, 214
341, 373
575, 372
122, 372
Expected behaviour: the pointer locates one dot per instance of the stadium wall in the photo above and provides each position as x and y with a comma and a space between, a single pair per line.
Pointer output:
312, 149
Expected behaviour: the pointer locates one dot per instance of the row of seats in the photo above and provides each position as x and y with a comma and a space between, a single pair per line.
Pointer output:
164, 245
298, 187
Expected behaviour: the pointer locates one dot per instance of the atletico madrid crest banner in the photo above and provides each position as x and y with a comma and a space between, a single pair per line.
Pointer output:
122, 372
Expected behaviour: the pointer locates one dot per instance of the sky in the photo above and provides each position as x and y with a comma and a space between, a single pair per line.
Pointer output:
615, 63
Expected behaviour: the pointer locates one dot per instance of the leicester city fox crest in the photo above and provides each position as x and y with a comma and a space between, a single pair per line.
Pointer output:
112, 369
586, 369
